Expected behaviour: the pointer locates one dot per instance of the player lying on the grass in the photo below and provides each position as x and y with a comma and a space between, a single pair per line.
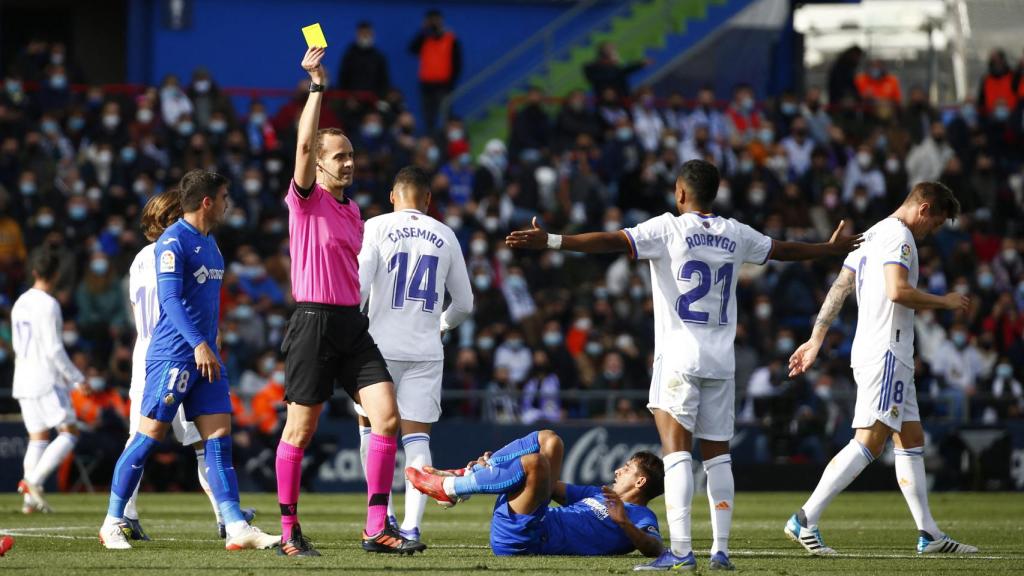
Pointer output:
591, 521
182, 367
160, 212
884, 273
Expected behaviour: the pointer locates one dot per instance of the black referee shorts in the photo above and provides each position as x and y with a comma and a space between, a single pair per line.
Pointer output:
325, 346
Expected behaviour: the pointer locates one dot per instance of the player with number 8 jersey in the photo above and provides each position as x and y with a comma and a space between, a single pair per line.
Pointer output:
695, 259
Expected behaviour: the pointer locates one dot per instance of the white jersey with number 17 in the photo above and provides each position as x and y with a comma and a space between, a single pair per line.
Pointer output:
40, 361
695, 261
407, 261
145, 307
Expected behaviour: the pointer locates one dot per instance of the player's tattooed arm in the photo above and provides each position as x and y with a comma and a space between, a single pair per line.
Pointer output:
804, 356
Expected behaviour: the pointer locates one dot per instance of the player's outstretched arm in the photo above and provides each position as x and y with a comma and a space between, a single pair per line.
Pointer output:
838, 245
305, 157
804, 356
536, 238
646, 544
899, 291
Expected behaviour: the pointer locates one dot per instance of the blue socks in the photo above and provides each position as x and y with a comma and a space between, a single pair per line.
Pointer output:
223, 481
128, 472
505, 473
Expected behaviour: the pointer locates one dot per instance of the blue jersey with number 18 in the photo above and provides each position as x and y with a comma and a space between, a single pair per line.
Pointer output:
189, 272
695, 263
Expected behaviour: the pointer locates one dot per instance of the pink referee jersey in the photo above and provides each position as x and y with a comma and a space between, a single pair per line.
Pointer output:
326, 236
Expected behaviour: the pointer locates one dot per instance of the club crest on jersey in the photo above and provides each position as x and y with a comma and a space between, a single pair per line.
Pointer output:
167, 261
204, 274
706, 225
168, 398
895, 411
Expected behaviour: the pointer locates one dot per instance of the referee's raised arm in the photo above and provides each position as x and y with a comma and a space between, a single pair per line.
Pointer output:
305, 150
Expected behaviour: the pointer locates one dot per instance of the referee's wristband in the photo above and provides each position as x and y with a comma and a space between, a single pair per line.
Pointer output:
554, 241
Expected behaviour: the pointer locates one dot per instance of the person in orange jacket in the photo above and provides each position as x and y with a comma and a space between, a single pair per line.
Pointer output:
89, 408
268, 403
878, 84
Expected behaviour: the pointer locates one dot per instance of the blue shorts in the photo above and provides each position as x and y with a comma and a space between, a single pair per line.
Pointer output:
170, 383
513, 533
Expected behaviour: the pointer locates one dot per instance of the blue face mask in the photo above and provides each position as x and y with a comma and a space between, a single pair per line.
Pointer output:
78, 212
128, 155
99, 267
552, 339
58, 82
76, 123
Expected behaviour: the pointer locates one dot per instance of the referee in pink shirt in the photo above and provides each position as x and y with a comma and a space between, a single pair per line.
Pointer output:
327, 342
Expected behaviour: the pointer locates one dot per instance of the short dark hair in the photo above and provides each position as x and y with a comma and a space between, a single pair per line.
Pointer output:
196, 185
701, 178
318, 149
939, 197
363, 25
653, 469
413, 179
45, 263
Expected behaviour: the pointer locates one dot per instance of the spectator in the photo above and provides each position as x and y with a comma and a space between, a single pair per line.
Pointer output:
927, 160
575, 118
531, 129
706, 113
440, 55
364, 68
842, 76
798, 147
608, 72
877, 83
743, 120
998, 90
540, 400
514, 356
647, 120
864, 172
268, 404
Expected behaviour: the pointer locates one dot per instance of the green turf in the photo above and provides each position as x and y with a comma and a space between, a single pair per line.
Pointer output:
874, 533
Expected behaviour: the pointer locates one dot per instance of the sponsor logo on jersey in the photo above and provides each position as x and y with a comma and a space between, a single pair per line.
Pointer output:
905, 253
597, 507
204, 274
198, 248
167, 261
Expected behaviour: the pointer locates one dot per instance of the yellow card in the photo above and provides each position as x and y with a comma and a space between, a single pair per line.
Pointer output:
314, 36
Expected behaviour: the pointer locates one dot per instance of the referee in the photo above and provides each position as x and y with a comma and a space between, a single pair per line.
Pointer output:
327, 339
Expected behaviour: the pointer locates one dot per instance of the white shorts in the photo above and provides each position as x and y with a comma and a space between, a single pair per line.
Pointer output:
704, 406
886, 394
48, 411
184, 430
418, 387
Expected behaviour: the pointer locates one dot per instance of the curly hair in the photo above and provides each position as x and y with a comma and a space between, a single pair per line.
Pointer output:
160, 211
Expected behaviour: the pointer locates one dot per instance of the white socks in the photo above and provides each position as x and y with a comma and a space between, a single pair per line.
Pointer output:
33, 452
51, 458
417, 455
721, 494
364, 446
840, 472
678, 496
205, 483
914, 483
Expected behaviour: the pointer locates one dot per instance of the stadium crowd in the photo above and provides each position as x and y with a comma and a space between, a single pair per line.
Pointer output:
553, 336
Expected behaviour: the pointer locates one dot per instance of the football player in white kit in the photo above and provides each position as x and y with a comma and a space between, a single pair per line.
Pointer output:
160, 212
695, 259
883, 273
42, 374
407, 262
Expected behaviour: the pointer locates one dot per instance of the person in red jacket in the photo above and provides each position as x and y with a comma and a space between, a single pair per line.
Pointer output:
440, 56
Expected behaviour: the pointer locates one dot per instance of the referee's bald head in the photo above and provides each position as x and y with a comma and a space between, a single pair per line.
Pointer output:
411, 189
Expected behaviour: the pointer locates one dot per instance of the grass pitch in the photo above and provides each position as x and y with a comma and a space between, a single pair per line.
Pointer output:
873, 532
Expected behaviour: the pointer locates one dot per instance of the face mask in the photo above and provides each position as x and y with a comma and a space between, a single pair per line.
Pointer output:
256, 271
202, 86
94, 194
50, 127
860, 203
612, 226
78, 212
504, 255
140, 187
275, 321
252, 186
99, 267
556, 259
236, 221
959, 339
110, 121
268, 364
97, 384
830, 201
552, 339
455, 134
864, 159
624, 133
1004, 371
485, 343
365, 41
757, 196
637, 292
433, 154
746, 166
491, 223
784, 345
128, 155
593, 348
612, 375
670, 143
70, 337
600, 293
58, 82
453, 222
278, 376
1002, 112
104, 157
582, 324
986, 280
218, 126
144, 115
478, 247
747, 103
231, 338
76, 123
44, 220
186, 128
363, 199
1009, 255
962, 289
767, 135
257, 118
3, 355
27, 188
243, 312
482, 282
763, 311
276, 226
13, 86
371, 130
514, 343
788, 108
892, 165
274, 166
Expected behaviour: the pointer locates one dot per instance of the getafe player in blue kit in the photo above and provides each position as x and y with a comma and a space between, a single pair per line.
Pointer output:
182, 366
591, 521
